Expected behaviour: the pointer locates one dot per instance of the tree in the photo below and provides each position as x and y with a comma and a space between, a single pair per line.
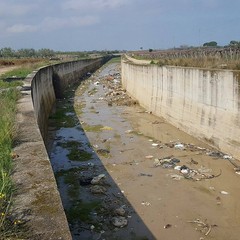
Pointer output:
45, 52
210, 44
7, 52
150, 50
234, 43
25, 52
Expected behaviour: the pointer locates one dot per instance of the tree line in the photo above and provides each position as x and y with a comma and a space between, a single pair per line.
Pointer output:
8, 52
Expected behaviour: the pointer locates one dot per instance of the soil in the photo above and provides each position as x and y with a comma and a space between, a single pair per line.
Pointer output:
127, 144
6, 69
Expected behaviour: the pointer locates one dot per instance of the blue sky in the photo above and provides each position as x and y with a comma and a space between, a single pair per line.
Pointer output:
77, 25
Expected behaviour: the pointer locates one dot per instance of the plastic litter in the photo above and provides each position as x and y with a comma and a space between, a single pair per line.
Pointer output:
167, 226
224, 192
146, 203
179, 146
176, 177
145, 174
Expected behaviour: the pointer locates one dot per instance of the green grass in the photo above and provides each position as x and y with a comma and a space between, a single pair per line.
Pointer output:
4, 84
21, 72
115, 60
8, 227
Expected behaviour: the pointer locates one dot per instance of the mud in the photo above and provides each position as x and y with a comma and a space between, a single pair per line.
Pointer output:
106, 132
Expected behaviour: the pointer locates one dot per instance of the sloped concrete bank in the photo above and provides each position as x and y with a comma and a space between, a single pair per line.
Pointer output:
204, 103
37, 200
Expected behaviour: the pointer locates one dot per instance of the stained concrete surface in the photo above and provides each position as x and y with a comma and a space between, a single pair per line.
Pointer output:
158, 205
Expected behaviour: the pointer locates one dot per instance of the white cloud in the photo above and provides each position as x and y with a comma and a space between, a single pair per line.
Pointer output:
51, 23
93, 4
21, 28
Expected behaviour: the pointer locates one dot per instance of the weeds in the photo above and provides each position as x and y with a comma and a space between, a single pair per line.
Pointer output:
200, 62
9, 225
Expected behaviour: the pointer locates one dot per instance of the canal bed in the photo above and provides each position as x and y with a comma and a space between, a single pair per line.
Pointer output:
125, 174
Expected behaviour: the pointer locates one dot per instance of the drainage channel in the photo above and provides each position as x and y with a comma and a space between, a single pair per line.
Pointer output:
116, 169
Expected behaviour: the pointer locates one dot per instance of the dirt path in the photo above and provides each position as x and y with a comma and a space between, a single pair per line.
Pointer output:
136, 153
6, 69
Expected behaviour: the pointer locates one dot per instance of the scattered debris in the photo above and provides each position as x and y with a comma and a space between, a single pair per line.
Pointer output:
129, 131
193, 162
103, 151
155, 144
119, 222
224, 192
176, 177
168, 162
146, 203
167, 226
227, 157
203, 227
149, 157
144, 174
179, 146
212, 188
188, 173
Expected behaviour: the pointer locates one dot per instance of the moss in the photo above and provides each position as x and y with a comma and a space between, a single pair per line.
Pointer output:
76, 154
69, 171
62, 119
42, 202
78, 107
92, 128
70, 144
117, 136
92, 91
82, 211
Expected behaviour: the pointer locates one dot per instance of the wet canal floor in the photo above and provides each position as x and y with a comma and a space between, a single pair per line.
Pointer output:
125, 174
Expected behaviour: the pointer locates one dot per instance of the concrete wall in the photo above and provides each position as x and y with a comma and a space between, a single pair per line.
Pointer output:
50, 82
203, 103
37, 198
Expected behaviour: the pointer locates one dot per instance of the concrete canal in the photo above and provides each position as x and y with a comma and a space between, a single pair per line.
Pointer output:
125, 174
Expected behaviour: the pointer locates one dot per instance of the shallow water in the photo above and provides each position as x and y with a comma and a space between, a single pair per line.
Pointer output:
151, 197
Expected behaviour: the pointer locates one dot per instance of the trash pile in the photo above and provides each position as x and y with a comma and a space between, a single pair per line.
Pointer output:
185, 171
116, 94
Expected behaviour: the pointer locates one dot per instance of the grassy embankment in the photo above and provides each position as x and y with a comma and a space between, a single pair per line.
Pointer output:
201, 62
10, 226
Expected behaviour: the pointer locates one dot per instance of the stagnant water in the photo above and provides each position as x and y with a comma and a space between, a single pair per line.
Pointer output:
77, 156
98, 131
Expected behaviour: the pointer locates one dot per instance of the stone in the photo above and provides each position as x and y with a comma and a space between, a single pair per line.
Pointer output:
98, 189
120, 211
97, 179
119, 222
